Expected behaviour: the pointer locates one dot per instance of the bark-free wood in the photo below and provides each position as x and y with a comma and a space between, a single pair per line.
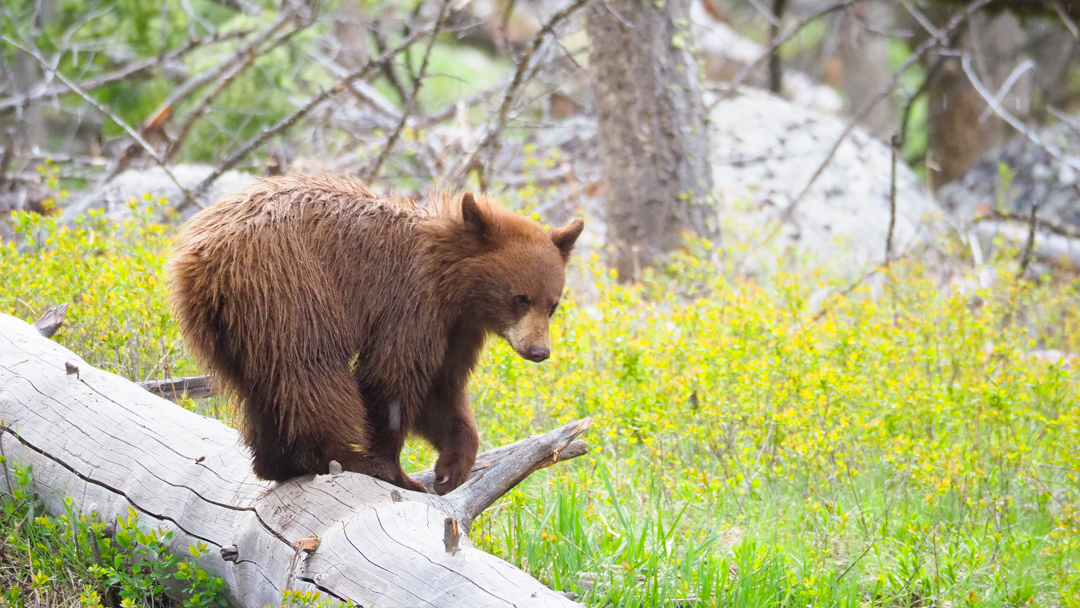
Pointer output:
51, 320
195, 387
110, 445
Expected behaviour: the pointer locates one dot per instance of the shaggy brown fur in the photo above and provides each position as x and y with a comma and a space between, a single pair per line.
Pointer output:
345, 321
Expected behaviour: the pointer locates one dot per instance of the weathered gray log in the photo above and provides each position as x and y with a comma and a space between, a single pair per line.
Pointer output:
195, 387
110, 445
51, 320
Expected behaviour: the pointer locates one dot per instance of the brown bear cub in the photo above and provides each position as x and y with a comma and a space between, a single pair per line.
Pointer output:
345, 321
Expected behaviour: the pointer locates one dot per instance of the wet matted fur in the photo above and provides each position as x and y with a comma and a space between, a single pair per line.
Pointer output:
344, 321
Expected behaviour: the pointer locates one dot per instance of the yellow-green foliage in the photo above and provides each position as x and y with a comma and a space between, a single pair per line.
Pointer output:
899, 448
110, 274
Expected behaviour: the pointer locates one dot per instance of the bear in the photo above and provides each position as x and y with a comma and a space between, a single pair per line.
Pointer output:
344, 322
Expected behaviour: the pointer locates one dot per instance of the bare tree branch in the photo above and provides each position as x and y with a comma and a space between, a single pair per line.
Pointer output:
894, 148
388, 68
995, 104
287, 122
491, 136
1014, 122
244, 6
104, 110
410, 104
1067, 20
225, 74
898, 142
730, 87
1058, 229
1015, 75
955, 22
133, 70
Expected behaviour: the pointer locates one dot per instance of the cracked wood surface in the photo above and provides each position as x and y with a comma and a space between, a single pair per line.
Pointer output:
110, 445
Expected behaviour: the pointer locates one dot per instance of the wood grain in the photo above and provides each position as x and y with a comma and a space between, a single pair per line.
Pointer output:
111, 445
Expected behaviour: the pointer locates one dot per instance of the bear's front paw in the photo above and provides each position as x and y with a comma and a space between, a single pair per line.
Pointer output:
452, 470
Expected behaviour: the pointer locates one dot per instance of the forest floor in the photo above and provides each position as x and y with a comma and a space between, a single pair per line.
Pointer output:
898, 443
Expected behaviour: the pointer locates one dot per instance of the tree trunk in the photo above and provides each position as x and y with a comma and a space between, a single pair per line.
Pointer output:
652, 132
860, 66
961, 130
110, 446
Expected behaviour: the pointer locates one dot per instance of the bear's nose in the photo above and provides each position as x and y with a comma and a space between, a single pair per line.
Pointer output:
537, 353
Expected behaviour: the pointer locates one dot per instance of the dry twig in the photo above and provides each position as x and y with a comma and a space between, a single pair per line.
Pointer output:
128, 72
732, 86
410, 104
995, 104
955, 22
226, 71
104, 110
290, 120
490, 138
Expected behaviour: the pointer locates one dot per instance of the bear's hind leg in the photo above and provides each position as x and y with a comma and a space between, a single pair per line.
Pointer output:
387, 436
293, 423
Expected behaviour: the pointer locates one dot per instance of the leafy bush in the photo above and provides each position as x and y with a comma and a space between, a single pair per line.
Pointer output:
898, 448
73, 557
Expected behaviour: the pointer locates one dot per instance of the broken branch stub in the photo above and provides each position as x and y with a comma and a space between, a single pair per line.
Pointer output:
51, 320
109, 445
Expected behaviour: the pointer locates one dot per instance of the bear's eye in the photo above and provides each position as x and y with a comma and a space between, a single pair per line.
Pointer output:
521, 301
554, 307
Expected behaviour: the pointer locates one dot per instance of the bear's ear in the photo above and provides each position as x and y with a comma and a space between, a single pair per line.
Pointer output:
565, 237
472, 216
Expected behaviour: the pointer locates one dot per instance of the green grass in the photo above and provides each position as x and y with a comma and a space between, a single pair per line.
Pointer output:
901, 449
72, 559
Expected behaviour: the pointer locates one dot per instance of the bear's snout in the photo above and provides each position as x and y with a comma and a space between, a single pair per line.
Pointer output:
529, 337
537, 353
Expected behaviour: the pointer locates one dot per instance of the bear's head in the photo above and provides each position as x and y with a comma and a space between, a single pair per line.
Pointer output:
516, 272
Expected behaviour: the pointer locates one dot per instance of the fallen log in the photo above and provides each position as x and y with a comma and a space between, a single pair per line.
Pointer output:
111, 445
195, 387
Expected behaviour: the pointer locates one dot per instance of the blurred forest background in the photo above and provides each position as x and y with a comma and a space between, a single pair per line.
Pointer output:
646, 120
823, 311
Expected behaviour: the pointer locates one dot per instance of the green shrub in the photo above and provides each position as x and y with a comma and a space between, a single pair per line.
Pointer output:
73, 558
897, 449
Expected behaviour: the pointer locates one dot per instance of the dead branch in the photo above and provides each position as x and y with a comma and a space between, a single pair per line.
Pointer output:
730, 87
388, 67
287, 122
894, 149
486, 460
490, 139
241, 59
910, 60
1070, 24
134, 70
1050, 248
931, 43
244, 6
7, 155
1058, 229
51, 320
194, 387
104, 110
410, 104
994, 103
510, 466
